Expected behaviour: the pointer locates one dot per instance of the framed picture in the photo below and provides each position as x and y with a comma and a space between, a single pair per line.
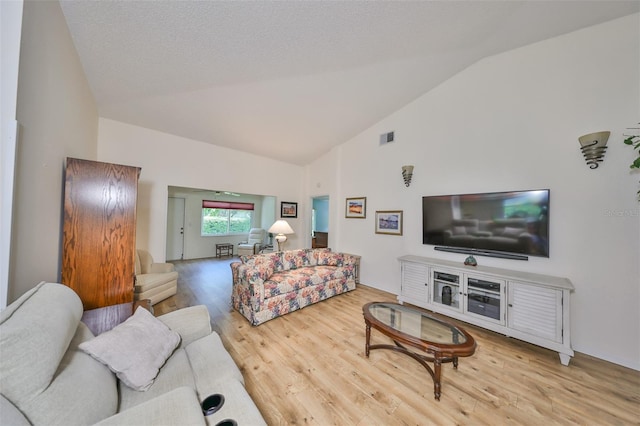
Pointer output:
356, 208
389, 222
288, 209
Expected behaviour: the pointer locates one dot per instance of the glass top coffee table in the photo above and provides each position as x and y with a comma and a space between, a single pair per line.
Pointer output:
442, 341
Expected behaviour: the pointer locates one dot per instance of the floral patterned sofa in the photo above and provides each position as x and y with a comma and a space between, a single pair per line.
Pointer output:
266, 286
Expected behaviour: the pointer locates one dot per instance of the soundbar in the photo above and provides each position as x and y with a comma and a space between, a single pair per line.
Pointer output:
479, 252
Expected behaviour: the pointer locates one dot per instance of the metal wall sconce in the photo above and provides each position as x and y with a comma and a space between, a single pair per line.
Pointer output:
407, 174
593, 147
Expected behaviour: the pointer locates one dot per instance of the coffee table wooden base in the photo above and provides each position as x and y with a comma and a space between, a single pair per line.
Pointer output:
435, 372
437, 340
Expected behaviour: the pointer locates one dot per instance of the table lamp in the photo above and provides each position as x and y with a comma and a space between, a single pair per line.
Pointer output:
280, 228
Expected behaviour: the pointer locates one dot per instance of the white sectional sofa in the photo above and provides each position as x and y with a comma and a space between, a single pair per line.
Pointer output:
47, 379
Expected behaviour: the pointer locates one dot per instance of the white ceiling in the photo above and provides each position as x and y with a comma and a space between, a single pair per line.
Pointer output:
291, 79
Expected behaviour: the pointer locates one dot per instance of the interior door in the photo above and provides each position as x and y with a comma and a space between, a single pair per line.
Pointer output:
175, 229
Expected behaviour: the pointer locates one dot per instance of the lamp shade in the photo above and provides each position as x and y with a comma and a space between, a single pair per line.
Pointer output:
281, 227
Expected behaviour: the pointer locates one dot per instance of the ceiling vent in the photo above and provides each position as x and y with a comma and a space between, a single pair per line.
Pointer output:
386, 138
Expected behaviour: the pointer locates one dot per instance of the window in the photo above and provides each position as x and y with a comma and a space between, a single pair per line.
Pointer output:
224, 218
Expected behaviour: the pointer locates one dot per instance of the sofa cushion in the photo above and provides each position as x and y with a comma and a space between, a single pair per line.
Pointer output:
190, 323
211, 362
197, 366
42, 321
470, 226
43, 373
83, 391
330, 258
459, 230
10, 415
293, 259
174, 373
180, 406
260, 259
297, 279
510, 232
136, 349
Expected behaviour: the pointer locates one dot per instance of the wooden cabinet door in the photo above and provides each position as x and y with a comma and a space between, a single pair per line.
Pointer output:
99, 231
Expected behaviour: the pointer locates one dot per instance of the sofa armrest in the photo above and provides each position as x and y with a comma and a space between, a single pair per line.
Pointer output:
190, 323
334, 258
349, 260
248, 283
177, 407
161, 268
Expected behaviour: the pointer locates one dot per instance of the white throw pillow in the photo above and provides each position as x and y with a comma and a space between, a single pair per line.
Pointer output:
136, 349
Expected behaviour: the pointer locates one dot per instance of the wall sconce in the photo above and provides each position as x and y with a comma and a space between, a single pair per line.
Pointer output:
407, 174
593, 147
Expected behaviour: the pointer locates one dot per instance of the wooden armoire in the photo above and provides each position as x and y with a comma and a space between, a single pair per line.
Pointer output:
99, 231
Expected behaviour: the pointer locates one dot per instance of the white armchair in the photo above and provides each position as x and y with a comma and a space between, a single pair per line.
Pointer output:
252, 245
154, 281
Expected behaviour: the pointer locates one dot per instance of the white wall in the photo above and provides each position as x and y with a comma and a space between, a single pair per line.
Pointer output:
168, 160
512, 122
58, 119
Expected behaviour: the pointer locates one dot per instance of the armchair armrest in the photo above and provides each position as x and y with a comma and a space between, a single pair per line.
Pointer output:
161, 268
177, 407
190, 323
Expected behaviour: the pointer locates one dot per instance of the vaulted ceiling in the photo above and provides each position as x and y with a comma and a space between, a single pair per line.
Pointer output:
291, 79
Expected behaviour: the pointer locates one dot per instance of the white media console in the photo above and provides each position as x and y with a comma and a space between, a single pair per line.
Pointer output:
523, 305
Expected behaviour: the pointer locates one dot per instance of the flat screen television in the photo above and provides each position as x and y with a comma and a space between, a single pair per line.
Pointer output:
511, 224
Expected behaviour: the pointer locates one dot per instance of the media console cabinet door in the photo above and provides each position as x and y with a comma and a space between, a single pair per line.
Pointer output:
99, 230
415, 282
536, 310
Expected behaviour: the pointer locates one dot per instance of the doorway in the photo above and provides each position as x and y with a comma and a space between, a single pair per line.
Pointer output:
320, 222
187, 236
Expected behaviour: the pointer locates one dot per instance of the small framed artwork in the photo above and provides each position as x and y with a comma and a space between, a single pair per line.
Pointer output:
288, 209
356, 208
389, 222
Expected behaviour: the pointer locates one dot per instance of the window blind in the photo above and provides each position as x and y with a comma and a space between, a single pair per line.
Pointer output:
228, 205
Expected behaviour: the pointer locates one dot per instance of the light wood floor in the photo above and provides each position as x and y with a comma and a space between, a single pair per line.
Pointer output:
308, 367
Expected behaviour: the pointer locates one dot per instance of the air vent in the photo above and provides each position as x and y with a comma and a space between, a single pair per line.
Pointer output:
386, 138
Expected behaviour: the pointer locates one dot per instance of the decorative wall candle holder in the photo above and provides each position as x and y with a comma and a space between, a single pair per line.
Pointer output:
593, 147
407, 174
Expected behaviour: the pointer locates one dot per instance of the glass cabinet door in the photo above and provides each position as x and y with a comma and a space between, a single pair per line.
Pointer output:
446, 288
485, 298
